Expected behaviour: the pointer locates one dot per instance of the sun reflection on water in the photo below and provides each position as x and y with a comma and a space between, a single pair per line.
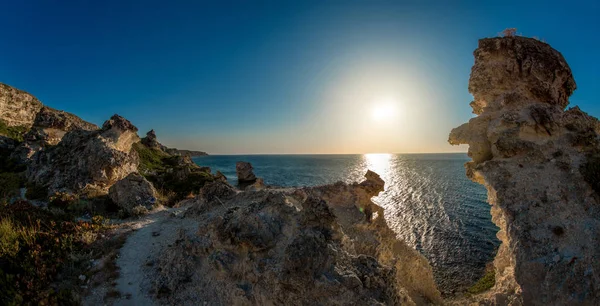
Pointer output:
379, 163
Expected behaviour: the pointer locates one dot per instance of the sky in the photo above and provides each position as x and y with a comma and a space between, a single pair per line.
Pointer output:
254, 77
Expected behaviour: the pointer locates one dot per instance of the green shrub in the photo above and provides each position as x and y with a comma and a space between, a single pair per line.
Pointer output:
35, 246
14, 132
485, 283
151, 159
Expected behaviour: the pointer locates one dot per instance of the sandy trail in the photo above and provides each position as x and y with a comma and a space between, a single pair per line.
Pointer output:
151, 234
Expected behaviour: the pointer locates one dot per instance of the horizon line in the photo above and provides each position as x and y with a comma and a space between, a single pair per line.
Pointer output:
408, 153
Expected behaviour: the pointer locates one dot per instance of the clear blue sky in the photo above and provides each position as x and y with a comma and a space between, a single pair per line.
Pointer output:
280, 76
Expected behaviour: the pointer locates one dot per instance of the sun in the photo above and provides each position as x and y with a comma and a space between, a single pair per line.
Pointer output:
384, 110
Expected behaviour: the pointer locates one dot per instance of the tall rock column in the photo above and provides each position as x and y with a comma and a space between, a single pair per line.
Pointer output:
538, 163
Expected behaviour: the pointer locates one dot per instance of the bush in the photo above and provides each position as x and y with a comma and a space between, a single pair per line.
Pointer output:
139, 210
14, 132
151, 159
509, 32
35, 245
485, 283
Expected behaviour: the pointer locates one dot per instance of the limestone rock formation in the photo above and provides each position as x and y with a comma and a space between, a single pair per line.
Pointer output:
17, 108
48, 129
220, 177
50, 125
151, 141
291, 247
87, 159
132, 191
244, 172
540, 166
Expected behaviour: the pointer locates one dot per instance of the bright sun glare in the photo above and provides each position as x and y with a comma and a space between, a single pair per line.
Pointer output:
384, 109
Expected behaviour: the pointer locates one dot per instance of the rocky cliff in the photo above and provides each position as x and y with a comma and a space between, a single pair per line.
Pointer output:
312, 246
540, 166
17, 108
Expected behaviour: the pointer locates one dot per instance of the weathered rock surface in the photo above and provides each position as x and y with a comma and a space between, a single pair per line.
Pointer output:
132, 191
49, 127
539, 164
244, 172
151, 142
291, 247
87, 159
17, 108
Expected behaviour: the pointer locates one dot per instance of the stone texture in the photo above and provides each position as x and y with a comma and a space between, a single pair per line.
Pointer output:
151, 141
17, 108
244, 172
532, 156
87, 159
49, 127
291, 247
132, 191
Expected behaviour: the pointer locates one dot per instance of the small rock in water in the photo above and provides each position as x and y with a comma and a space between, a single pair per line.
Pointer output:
82, 277
154, 234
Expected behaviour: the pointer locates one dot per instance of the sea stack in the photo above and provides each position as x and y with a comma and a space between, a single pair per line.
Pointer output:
244, 172
537, 162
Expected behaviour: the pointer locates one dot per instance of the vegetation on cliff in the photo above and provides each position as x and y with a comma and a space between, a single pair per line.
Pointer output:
42, 252
174, 176
14, 132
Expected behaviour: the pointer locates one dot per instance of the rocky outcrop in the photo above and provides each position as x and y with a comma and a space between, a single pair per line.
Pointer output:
133, 191
49, 127
291, 247
539, 164
244, 172
150, 141
17, 108
87, 159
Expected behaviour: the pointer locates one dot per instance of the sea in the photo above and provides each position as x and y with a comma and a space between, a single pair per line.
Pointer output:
428, 202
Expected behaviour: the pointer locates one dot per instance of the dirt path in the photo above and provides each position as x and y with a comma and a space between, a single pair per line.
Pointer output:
150, 235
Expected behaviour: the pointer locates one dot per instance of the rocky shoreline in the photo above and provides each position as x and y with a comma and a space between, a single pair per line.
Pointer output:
255, 244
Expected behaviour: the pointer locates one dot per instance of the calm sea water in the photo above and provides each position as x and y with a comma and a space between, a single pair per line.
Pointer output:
428, 202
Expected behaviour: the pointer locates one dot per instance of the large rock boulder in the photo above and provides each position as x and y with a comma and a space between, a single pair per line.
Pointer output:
17, 108
540, 165
244, 172
133, 191
87, 159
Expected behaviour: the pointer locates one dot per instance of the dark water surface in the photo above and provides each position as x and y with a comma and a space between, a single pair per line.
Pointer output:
428, 202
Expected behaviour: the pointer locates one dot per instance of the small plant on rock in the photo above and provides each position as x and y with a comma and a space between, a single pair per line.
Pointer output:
509, 32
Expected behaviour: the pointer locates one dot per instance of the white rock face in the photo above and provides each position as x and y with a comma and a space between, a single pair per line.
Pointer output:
539, 164
17, 108
87, 159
